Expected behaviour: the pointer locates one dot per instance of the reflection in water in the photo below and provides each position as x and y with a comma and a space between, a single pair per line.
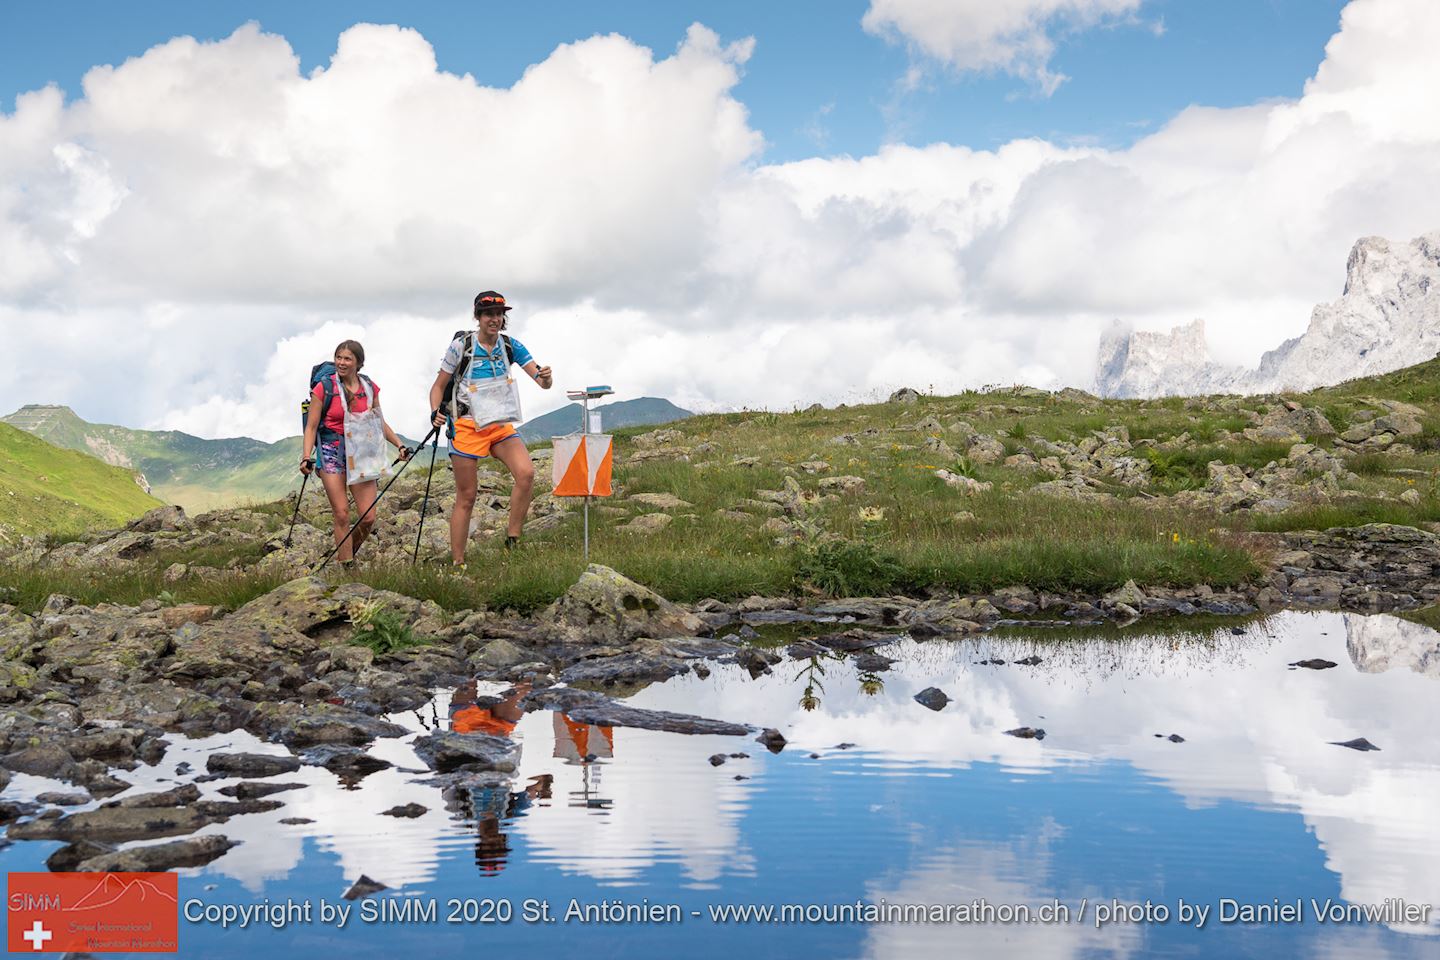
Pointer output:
870, 682
1376, 644
491, 805
1255, 731
1019, 871
925, 807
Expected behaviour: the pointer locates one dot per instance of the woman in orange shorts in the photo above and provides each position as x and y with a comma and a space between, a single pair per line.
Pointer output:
485, 408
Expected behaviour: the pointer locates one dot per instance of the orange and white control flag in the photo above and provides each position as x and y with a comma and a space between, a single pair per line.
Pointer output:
582, 465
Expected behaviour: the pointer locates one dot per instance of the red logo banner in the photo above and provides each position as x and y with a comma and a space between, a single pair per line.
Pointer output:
92, 912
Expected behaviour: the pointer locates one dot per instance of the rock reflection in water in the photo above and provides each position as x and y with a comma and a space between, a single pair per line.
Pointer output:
1379, 643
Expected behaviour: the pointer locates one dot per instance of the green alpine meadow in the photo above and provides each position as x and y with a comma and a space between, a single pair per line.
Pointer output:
1054, 492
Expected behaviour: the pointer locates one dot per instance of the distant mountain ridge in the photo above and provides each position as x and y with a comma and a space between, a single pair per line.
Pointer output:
640, 412
201, 474
177, 467
1387, 317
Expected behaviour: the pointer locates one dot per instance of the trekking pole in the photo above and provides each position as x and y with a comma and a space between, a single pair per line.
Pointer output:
425, 504
298, 497
434, 431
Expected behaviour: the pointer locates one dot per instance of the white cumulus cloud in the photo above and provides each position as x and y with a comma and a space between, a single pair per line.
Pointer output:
1013, 36
178, 245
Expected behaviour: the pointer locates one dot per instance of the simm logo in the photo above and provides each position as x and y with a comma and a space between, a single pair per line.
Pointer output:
34, 901
92, 913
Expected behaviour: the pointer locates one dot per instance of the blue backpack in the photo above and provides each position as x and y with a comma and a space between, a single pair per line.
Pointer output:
323, 373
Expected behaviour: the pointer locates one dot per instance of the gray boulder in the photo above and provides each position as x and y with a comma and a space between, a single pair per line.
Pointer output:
444, 751
606, 607
583, 706
192, 852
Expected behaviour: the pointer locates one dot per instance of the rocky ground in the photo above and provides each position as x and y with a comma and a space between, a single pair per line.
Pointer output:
92, 692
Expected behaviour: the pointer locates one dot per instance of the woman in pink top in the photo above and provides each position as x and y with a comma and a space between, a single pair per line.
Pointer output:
348, 438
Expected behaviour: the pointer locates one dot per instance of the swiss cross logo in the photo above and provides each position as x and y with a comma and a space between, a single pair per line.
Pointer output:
92, 913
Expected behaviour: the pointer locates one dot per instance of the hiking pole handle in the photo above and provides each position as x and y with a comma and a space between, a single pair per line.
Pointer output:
296, 516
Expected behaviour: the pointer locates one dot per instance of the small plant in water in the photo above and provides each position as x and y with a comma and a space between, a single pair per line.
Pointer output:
871, 683
812, 672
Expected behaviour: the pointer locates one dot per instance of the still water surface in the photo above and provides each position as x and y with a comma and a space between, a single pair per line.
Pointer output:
1255, 806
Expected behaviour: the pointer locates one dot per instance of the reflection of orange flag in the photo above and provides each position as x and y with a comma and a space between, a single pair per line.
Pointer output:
582, 465
572, 739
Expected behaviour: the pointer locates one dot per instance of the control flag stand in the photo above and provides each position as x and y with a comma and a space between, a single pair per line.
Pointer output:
583, 461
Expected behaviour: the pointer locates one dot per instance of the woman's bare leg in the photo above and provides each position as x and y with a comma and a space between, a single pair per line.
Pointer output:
465, 471
516, 458
334, 484
365, 494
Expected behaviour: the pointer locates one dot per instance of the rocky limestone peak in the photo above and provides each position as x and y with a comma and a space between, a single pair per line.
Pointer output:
1363, 256
1146, 363
1387, 317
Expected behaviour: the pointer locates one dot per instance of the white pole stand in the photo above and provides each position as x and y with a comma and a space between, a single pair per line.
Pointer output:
584, 397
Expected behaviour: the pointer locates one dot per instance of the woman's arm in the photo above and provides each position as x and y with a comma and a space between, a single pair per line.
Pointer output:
437, 393
312, 429
390, 435
541, 375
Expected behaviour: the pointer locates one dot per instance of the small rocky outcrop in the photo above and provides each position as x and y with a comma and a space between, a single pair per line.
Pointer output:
604, 606
175, 855
251, 764
445, 751
117, 824
771, 739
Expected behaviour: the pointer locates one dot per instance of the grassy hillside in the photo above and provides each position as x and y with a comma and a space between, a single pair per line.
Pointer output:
46, 489
766, 507
1062, 492
196, 473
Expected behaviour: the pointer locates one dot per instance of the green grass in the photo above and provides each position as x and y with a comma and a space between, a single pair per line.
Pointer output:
46, 489
906, 531
381, 629
1349, 514
27, 587
196, 473
1426, 616
221, 555
1418, 384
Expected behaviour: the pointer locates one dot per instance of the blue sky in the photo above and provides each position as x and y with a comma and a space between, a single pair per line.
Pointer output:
817, 84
